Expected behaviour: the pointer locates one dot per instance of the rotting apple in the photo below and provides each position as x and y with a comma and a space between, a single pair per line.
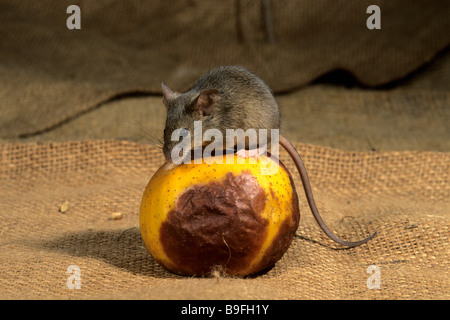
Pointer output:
196, 217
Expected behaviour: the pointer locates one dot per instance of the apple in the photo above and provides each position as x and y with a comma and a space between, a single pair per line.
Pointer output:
239, 216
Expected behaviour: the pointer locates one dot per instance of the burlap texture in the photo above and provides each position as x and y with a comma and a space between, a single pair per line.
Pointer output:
50, 74
53, 85
404, 196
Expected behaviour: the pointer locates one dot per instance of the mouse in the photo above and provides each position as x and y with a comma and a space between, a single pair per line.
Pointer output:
232, 97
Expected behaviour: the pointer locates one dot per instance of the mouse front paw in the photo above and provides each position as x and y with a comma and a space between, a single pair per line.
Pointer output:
248, 153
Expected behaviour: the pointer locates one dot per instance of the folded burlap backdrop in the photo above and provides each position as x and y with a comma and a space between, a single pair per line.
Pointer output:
50, 74
62, 85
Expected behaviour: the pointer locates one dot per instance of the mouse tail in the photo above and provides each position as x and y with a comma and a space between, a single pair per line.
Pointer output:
309, 196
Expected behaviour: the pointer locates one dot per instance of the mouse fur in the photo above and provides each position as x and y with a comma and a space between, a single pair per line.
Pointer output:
243, 101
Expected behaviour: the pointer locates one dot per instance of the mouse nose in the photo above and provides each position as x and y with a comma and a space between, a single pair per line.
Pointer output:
167, 155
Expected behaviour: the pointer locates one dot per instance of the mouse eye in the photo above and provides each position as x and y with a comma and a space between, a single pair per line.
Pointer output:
184, 133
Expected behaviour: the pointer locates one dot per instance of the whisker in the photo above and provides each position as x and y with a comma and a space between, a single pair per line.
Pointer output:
146, 135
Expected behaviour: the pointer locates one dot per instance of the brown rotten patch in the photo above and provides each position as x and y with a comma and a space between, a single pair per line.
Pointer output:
218, 223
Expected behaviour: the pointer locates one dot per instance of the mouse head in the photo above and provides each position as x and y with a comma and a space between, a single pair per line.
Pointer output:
182, 110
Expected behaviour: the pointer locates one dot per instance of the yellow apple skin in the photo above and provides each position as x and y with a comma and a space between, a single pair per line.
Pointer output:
197, 217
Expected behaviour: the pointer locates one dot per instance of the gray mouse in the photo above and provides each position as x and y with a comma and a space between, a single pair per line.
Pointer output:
231, 97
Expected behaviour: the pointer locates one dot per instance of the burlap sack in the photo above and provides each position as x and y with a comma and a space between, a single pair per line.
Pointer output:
404, 196
51, 77
50, 74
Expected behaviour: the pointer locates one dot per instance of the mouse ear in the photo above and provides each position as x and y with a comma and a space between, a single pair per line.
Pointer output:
207, 101
168, 94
